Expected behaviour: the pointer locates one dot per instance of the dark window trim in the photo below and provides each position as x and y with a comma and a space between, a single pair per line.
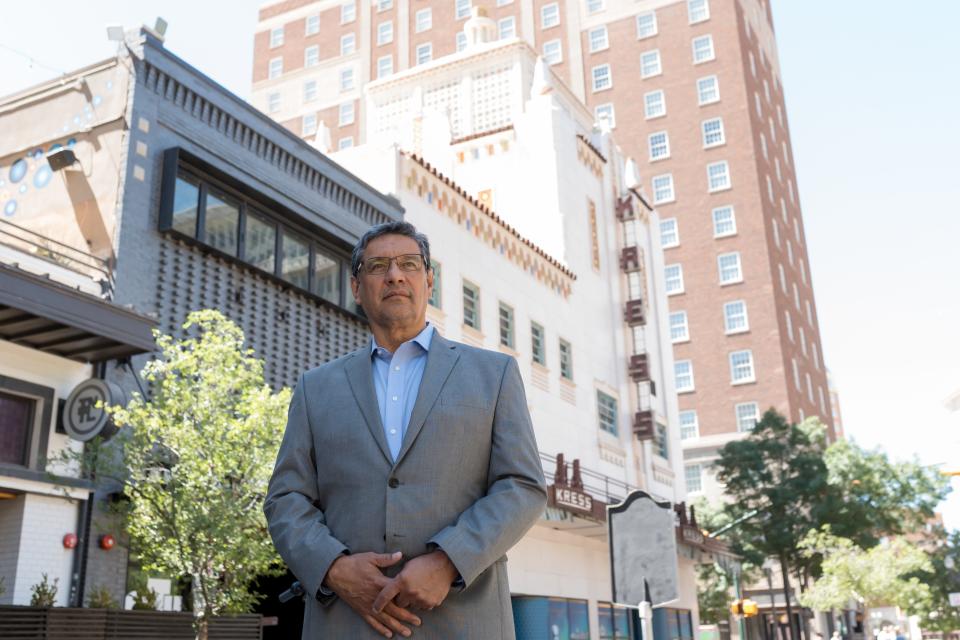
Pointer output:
177, 161
44, 396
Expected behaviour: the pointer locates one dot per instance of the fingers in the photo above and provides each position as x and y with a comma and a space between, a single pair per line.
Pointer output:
400, 612
386, 559
379, 628
386, 595
394, 624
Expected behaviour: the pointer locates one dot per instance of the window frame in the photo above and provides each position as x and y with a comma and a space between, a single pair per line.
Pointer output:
659, 149
712, 55
734, 279
344, 73
685, 325
728, 316
728, 184
458, 9
309, 96
538, 350
681, 289
607, 106
559, 45
705, 10
507, 332
565, 351
423, 46
606, 38
644, 75
555, 21
311, 56
722, 132
716, 88
474, 290
502, 22
654, 189
341, 120
608, 423
732, 221
311, 29
347, 41
739, 419
593, 77
656, 27
685, 428
380, 71
676, 233
687, 475
348, 12
384, 33
275, 68
646, 104
277, 37
676, 376
419, 25
751, 375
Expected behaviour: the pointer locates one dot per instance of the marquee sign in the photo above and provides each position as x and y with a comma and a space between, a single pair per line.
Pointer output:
83, 420
569, 495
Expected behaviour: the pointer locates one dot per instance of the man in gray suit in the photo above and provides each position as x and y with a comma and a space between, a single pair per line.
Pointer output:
407, 470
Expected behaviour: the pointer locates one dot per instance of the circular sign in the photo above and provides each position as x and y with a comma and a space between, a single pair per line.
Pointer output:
82, 418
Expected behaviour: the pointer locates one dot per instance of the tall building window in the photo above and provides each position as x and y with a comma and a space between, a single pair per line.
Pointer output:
712, 133
693, 476
384, 5
506, 325
673, 274
661, 444
385, 32
607, 412
724, 222
650, 64
683, 374
669, 233
679, 330
602, 78
663, 189
605, 112
345, 114
384, 66
741, 367
809, 312
424, 53
796, 296
598, 39
462, 9
796, 374
312, 25
803, 340
703, 49
654, 104
718, 176
348, 44
471, 305
273, 102
646, 25
659, 145
549, 15
708, 90
593, 6
435, 299
345, 143
689, 427
776, 232
346, 79
507, 28
735, 317
348, 12
783, 278
461, 41
276, 37
788, 319
815, 353
698, 10
276, 68
763, 146
309, 124
747, 415
728, 265
309, 90
552, 52
566, 360
423, 19
311, 55
538, 343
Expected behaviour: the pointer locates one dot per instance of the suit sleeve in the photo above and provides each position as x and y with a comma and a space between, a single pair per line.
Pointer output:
516, 490
294, 518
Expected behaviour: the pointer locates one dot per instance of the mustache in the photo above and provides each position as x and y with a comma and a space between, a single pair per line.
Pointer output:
396, 292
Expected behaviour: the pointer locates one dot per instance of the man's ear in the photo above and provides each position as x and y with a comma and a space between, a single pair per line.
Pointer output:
429, 282
355, 287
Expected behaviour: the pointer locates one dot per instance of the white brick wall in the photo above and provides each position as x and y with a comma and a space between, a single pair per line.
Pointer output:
45, 521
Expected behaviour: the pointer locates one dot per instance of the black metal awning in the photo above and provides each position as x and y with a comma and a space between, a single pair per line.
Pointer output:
41, 314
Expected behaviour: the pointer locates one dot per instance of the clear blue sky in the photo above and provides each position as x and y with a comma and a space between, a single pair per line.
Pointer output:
873, 98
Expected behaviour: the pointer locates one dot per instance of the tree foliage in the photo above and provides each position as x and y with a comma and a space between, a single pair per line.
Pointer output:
196, 459
874, 577
943, 578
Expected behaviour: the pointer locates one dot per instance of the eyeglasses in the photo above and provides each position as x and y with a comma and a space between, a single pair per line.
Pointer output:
379, 266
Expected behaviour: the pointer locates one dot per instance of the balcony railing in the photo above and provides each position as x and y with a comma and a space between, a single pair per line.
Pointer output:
57, 253
601, 487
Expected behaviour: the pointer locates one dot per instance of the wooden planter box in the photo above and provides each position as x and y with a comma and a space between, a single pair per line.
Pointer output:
64, 623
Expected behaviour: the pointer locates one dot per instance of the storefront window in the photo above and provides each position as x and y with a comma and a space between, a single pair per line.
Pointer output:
296, 261
614, 622
551, 618
16, 416
326, 277
186, 197
260, 247
672, 624
221, 223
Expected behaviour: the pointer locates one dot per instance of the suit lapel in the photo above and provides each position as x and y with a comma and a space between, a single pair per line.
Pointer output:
440, 360
360, 375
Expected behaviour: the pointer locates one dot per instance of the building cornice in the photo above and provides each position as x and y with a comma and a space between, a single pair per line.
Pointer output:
449, 198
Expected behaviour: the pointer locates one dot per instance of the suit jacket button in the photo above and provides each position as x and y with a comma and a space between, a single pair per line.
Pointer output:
393, 483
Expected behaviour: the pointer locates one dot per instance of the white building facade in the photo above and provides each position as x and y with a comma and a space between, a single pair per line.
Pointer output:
542, 250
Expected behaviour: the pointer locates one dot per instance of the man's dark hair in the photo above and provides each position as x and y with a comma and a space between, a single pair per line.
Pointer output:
399, 228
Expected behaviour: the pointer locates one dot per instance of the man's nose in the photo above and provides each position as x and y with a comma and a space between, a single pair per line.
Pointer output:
394, 272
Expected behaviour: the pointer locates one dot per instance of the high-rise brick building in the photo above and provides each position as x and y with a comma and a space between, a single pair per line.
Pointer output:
692, 90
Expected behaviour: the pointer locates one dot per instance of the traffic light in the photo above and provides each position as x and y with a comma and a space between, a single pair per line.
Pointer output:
746, 608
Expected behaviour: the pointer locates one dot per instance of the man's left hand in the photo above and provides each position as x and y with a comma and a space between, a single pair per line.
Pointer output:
423, 583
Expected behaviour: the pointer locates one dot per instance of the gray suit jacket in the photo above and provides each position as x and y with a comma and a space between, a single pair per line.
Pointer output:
467, 479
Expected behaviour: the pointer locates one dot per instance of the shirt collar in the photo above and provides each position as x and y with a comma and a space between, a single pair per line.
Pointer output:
423, 339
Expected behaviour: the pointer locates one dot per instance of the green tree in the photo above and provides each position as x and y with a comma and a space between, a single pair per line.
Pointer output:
196, 459
943, 578
778, 472
877, 576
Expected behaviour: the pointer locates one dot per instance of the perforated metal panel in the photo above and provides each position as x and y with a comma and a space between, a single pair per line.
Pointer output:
288, 330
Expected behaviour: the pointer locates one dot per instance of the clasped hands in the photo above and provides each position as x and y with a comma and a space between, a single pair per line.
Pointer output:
384, 603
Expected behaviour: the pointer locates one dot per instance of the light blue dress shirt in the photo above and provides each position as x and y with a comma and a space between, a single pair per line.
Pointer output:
396, 379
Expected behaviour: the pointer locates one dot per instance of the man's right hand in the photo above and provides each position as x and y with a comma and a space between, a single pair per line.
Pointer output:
357, 580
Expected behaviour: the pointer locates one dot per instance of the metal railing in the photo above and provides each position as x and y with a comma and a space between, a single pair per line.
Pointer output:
598, 485
58, 253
